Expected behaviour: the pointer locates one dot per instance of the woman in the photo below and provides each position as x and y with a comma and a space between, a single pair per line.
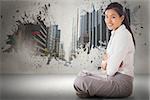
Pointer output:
118, 60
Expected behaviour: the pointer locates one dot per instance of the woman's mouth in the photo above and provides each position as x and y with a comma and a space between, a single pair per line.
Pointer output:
110, 25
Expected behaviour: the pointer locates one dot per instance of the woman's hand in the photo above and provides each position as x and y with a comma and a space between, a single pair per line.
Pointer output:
103, 65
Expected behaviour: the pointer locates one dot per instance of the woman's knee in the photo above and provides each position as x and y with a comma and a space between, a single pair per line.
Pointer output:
80, 87
80, 84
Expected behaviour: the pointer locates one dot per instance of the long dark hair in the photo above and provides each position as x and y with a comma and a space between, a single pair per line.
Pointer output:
121, 11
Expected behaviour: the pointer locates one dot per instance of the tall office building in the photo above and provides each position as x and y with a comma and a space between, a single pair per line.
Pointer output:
32, 35
41, 39
61, 51
54, 40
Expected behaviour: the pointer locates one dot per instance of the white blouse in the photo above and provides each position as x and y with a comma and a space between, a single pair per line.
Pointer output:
120, 49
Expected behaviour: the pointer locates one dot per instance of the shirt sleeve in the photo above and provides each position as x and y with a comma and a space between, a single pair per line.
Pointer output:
120, 46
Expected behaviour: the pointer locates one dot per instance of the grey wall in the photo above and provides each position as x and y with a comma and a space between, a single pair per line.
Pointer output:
142, 40
0, 38
149, 37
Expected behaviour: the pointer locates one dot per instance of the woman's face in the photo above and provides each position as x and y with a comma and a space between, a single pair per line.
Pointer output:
112, 19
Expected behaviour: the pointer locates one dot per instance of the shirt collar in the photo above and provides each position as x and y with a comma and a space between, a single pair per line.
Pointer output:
120, 28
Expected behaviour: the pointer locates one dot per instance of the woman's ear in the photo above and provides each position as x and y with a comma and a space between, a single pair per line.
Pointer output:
122, 18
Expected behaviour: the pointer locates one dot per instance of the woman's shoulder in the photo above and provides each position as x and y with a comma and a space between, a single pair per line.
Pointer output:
123, 35
124, 32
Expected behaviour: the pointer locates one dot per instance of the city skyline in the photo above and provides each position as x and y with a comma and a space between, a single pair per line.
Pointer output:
60, 12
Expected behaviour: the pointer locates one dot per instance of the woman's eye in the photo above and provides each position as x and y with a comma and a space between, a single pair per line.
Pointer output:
113, 17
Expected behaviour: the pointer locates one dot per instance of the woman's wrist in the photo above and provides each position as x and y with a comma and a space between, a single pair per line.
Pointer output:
103, 64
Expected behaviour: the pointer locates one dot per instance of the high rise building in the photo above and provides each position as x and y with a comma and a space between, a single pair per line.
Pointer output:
39, 38
32, 35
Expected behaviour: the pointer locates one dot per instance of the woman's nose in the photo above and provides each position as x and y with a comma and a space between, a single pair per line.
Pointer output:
108, 20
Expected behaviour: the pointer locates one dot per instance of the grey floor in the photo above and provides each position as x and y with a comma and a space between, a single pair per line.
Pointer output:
57, 87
